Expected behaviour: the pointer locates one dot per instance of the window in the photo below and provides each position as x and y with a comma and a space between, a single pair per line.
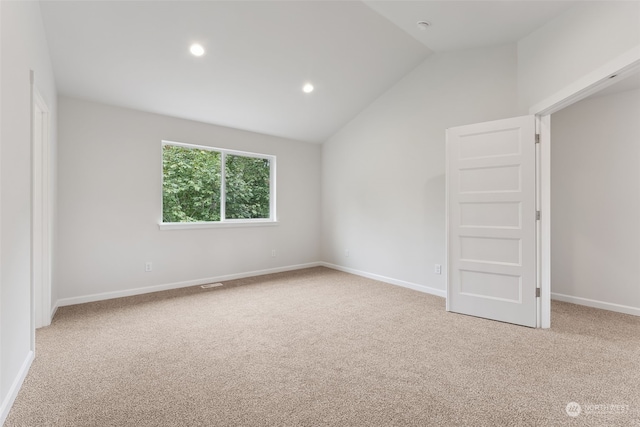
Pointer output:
204, 186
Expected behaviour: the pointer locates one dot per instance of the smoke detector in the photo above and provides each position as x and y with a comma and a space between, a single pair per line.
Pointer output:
423, 25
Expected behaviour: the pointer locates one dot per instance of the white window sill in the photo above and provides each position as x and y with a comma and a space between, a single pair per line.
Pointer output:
225, 224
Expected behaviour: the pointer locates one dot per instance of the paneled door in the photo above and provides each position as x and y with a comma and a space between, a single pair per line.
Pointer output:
491, 220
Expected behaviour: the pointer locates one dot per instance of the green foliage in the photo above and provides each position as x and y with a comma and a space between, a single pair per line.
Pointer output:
192, 182
247, 181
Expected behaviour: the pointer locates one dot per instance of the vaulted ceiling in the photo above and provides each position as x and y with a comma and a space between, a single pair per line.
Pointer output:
259, 54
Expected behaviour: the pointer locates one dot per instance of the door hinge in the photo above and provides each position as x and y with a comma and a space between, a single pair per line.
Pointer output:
537, 138
537, 215
537, 292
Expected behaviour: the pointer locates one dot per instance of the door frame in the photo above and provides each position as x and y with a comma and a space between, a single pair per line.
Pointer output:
41, 225
606, 75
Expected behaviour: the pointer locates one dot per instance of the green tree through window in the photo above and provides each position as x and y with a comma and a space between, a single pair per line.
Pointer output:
247, 184
192, 187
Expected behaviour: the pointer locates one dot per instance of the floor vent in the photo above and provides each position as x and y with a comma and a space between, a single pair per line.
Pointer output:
211, 285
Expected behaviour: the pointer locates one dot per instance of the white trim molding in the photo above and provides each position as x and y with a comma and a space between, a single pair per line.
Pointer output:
7, 403
41, 215
619, 308
608, 74
544, 241
177, 285
217, 224
54, 310
416, 287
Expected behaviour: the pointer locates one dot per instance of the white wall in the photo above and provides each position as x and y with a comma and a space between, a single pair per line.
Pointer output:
572, 45
383, 182
110, 204
595, 199
23, 48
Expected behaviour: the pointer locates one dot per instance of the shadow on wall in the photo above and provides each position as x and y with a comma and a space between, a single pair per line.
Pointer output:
435, 213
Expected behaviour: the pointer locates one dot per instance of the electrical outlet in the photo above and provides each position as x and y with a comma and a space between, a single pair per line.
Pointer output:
148, 266
438, 269
273, 253
346, 253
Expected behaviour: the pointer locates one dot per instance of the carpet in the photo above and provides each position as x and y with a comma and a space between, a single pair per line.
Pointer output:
319, 347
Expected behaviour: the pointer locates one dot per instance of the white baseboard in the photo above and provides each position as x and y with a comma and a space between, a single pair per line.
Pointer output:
597, 304
53, 310
414, 286
7, 402
168, 286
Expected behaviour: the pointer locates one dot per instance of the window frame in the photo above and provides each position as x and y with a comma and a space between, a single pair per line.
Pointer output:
223, 223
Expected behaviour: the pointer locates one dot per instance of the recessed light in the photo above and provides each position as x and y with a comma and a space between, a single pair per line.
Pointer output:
196, 49
307, 88
423, 25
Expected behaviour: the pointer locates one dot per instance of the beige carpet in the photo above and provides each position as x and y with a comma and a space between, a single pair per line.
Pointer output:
320, 347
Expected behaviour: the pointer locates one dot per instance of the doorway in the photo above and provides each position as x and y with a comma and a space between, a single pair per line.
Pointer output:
612, 72
595, 194
605, 76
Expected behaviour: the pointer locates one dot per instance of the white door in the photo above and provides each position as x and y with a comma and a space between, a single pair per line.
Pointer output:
491, 220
